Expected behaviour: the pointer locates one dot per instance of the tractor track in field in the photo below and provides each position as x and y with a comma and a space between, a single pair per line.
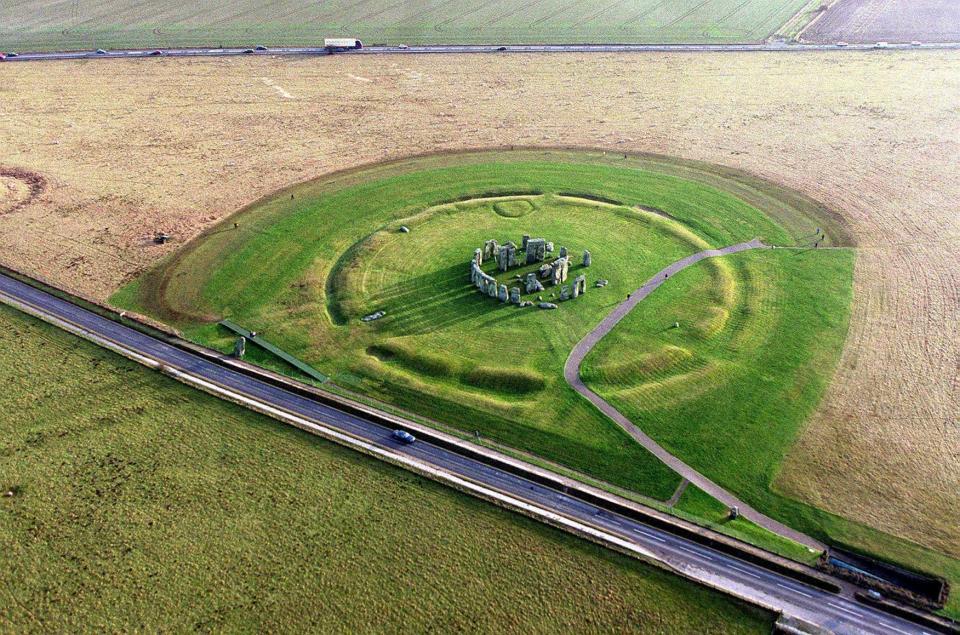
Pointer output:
571, 372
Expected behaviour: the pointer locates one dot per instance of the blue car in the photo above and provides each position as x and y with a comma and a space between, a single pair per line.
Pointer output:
404, 437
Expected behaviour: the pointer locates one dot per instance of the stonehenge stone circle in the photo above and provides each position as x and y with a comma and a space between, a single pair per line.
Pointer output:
587, 258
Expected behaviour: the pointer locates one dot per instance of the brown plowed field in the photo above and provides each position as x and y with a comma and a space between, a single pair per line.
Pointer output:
174, 145
887, 21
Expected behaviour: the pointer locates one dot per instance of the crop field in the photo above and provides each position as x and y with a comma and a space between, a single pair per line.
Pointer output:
872, 137
141, 504
38, 25
887, 20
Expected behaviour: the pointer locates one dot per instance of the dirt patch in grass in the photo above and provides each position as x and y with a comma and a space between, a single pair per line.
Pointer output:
19, 188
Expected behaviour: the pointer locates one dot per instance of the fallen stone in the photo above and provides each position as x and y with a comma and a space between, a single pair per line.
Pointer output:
373, 316
602, 283
404, 229
547, 305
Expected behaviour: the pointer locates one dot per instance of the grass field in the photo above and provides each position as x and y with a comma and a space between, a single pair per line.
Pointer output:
142, 505
177, 145
304, 267
36, 25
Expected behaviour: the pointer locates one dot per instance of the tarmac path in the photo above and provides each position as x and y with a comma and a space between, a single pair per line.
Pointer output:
571, 372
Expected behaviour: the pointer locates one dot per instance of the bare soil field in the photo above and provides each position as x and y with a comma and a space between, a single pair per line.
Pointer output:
127, 149
888, 21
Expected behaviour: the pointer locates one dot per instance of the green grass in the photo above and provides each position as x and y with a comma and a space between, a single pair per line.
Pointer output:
143, 505
303, 270
36, 25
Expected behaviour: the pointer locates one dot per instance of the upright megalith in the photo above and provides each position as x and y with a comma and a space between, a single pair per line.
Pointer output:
490, 248
478, 256
507, 256
515, 295
579, 285
492, 288
532, 284
536, 250
502, 293
565, 292
240, 347
587, 258
563, 252
526, 239
559, 269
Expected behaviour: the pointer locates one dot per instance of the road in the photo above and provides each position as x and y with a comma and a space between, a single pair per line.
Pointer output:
839, 613
571, 372
480, 48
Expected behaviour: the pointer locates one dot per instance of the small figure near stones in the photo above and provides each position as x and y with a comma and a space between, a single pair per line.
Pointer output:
587, 258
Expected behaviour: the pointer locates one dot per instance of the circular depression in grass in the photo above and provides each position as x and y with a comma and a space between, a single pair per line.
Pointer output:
304, 266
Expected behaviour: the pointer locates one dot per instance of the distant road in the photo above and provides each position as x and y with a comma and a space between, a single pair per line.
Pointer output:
839, 613
491, 48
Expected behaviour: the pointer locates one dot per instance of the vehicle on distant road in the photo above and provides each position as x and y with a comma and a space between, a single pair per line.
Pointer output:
501, 48
13, 54
157, 52
100, 52
842, 44
881, 45
402, 47
3, 56
247, 51
403, 436
262, 48
916, 43
337, 44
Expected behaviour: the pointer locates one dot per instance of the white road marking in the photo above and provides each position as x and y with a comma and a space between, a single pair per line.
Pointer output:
696, 553
784, 586
745, 572
846, 610
894, 628
651, 536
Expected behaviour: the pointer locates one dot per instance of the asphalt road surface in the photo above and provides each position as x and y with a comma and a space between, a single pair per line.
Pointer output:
839, 613
479, 48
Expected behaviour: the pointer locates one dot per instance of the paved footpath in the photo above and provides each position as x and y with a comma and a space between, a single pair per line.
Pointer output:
571, 372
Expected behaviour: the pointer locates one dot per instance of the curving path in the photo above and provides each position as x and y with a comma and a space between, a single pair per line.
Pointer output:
571, 372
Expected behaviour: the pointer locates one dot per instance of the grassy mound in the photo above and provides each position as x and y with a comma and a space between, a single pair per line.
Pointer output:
513, 380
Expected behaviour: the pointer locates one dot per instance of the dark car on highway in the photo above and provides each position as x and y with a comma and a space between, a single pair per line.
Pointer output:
403, 436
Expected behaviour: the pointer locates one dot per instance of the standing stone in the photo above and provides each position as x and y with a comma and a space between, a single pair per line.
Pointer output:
587, 258
478, 256
240, 348
559, 271
492, 288
580, 285
533, 285
490, 249
546, 271
515, 295
526, 237
549, 248
507, 256
536, 250
563, 252
565, 292
502, 293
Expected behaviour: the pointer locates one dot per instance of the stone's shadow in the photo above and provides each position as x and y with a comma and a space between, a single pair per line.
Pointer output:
432, 301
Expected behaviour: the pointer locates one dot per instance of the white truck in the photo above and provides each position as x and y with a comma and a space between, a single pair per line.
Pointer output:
337, 44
